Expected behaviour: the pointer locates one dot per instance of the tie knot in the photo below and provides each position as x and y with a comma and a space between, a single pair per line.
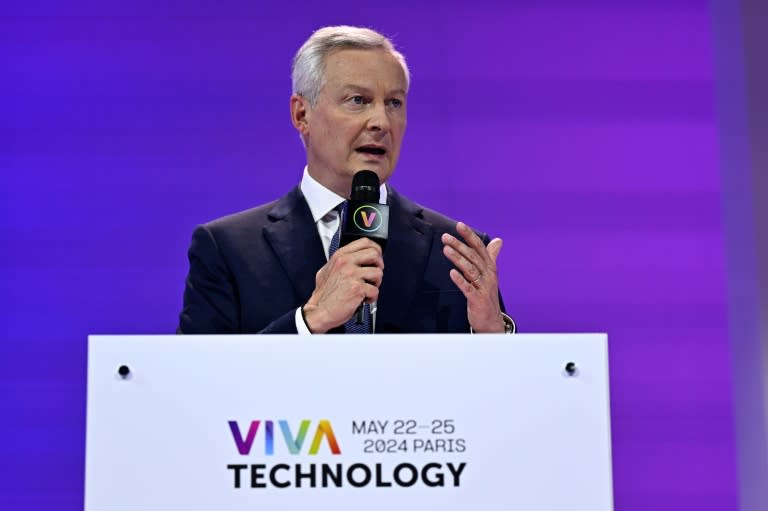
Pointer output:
338, 209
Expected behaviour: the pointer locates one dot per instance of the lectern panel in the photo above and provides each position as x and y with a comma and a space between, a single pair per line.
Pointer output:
382, 422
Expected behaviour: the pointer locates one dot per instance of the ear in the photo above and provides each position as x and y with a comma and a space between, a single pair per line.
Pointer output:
300, 112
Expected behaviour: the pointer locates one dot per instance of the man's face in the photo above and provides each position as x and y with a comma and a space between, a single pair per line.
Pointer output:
358, 120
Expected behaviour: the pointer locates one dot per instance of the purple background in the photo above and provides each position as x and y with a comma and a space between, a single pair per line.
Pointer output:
583, 133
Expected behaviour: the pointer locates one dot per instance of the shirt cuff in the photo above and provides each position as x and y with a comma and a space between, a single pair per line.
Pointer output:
301, 327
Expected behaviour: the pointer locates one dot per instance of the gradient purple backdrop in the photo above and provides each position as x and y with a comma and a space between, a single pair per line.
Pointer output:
583, 133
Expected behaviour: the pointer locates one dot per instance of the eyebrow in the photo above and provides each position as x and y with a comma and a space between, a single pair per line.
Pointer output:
366, 90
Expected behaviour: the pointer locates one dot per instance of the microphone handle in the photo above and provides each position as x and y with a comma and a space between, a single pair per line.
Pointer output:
360, 314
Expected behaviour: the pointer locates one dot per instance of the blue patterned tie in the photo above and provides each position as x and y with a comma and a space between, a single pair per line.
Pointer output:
351, 326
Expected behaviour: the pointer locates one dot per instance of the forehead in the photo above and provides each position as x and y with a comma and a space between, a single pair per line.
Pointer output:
364, 68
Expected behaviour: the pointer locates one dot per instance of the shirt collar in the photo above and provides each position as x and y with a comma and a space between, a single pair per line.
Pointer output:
321, 200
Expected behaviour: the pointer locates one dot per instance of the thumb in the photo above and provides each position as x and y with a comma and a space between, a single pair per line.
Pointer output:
494, 247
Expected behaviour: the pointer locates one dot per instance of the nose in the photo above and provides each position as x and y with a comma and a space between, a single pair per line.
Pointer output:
379, 118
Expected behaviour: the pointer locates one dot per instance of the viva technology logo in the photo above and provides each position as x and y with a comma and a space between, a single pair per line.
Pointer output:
292, 443
283, 475
368, 216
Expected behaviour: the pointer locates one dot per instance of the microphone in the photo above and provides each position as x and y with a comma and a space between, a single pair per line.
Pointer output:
365, 218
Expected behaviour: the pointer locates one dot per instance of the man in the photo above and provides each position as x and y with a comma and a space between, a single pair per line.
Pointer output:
268, 270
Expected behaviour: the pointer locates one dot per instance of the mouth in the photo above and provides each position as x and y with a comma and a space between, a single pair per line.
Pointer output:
372, 149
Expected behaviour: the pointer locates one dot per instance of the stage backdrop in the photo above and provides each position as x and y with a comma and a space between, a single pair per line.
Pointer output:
583, 133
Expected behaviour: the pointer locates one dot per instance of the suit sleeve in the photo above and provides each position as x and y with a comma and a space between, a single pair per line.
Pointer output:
285, 324
211, 295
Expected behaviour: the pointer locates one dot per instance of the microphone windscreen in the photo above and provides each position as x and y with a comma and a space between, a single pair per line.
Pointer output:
365, 186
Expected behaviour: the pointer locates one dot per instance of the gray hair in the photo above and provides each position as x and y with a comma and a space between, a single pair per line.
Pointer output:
308, 71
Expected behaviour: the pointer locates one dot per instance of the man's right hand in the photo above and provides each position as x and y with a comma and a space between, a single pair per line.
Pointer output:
352, 276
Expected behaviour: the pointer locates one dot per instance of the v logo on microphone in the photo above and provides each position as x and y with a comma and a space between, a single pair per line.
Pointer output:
368, 218
368, 221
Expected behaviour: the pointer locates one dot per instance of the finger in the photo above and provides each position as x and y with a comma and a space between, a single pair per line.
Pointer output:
463, 284
494, 247
367, 256
367, 293
470, 270
372, 275
464, 250
360, 244
472, 239
372, 294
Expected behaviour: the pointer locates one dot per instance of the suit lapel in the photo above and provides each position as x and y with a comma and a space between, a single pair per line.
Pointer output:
293, 236
405, 259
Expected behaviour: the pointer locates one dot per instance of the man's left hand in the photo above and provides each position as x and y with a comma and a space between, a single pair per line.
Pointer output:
475, 275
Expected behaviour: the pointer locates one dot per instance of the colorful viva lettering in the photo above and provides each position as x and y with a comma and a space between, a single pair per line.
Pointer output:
293, 444
366, 220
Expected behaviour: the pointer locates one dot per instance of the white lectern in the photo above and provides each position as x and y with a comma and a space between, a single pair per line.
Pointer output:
378, 422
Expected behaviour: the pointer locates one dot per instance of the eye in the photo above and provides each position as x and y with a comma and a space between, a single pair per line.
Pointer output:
396, 103
357, 100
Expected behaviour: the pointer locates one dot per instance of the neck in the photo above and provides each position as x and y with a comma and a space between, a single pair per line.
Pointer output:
340, 185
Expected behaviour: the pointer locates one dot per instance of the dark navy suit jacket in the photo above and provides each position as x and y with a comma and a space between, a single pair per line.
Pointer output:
251, 270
